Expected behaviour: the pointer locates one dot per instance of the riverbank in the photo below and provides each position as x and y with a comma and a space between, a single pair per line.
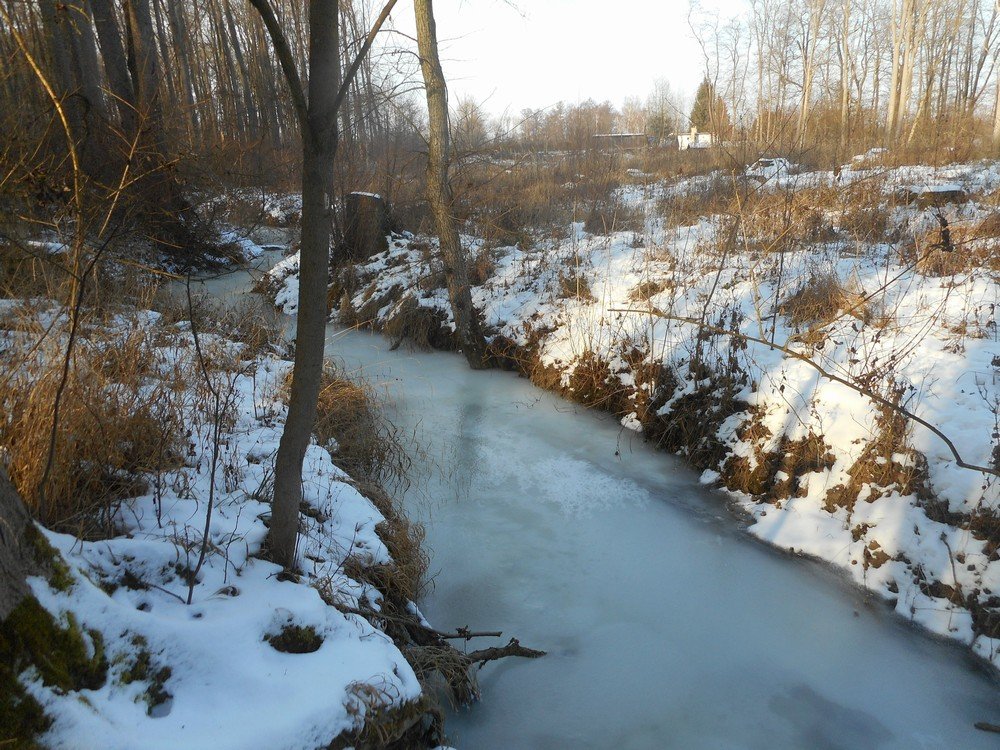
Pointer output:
669, 325
188, 635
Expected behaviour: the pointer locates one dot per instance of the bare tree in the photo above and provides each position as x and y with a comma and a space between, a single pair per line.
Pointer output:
439, 194
318, 124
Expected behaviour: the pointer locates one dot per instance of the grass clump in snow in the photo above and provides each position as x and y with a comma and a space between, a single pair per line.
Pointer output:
416, 724
774, 477
821, 299
402, 580
295, 639
574, 285
143, 669
887, 464
646, 290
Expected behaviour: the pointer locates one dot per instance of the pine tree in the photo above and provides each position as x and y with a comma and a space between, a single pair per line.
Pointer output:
709, 113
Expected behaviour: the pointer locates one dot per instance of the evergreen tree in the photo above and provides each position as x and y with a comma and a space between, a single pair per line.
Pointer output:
709, 113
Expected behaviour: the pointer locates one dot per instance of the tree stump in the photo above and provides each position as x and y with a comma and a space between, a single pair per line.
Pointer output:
366, 224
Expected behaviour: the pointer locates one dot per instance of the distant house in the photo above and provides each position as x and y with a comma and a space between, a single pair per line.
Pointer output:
624, 141
694, 139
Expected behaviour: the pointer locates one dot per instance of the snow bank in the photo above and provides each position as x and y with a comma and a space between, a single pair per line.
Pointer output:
205, 674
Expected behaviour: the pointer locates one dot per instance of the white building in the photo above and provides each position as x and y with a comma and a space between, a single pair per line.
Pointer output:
694, 139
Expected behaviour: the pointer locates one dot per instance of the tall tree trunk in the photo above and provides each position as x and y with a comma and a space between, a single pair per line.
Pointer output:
86, 64
439, 195
115, 64
253, 120
319, 149
844, 51
175, 19
996, 117
57, 41
167, 68
147, 77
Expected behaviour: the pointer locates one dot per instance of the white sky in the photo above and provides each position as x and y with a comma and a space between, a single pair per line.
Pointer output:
534, 53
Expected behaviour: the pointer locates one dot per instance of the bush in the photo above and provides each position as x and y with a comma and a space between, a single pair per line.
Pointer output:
821, 299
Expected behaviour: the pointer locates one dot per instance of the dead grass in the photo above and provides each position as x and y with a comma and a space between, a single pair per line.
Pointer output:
864, 212
880, 469
483, 266
608, 217
969, 246
775, 476
646, 290
821, 299
511, 202
781, 220
351, 426
116, 424
404, 579
691, 424
716, 196
574, 285
132, 390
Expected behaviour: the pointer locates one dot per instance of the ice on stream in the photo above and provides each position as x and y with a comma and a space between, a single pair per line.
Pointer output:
666, 626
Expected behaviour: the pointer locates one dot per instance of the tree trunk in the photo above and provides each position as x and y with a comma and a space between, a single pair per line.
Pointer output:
319, 149
175, 19
439, 195
18, 557
252, 117
844, 48
366, 224
318, 124
57, 40
115, 63
996, 117
147, 77
87, 67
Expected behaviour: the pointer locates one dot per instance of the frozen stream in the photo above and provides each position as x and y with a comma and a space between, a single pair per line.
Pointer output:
666, 626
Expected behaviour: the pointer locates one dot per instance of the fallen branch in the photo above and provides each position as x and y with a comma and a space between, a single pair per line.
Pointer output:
429, 653
514, 648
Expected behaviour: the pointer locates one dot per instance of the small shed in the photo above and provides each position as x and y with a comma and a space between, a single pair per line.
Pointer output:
694, 139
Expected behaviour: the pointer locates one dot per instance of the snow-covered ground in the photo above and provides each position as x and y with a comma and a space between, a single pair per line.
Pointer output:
818, 467
206, 674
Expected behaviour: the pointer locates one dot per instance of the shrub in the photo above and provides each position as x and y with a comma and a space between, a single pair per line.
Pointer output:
821, 299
